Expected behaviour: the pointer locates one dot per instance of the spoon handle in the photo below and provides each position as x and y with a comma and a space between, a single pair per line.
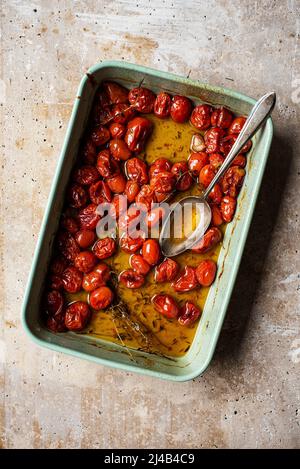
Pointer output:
257, 117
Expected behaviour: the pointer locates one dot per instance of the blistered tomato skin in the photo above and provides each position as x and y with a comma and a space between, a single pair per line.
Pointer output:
115, 93
54, 302
188, 314
58, 265
228, 206
206, 272
237, 125
166, 271
216, 160
183, 178
101, 298
67, 245
233, 180
100, 135
146, 196
85, 238
86, 175
138, 131
117, 130
130, 245
106, 166
117, 183
122, 113
137, 170
221, 117
162, 105
163, 183
96, 278
119, 150
88, 153
206, 175
240, 161
151, 251
77, 316
131, 191
85, 261
104, 248
165, 305
186, 281
88, 217
209, 240
200, 117
142, 99
131, 279
212, 139
159, 165
139, 265
197, 161
100, 193
72, 279
77, 196
181, 109
56, 323
216, 216
69, 224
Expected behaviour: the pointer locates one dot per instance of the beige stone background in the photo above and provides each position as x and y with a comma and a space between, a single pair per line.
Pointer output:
249, 397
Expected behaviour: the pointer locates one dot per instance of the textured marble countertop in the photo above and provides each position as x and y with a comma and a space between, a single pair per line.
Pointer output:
249, 397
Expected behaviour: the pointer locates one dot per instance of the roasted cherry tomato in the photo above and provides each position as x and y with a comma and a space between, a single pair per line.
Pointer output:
212, 139
240, 161
162, 105
117, 130
88, 152
209, 240
200, 117
85, 261
57, 323
119, 149
54, 302
130, 218
166, 271
67, 245
227, 143
206, 272
233, 180
136, 170
154, 217
159, 165
188, 314
131, 245
181, 109
131, 279
206, 175
228, 206
122, 113
131, 190
58, 265
104, 248
96, 278
236, 125
100, 193
117, 183
107, 167
146, 196
138, 130
216, 194
197, 161
86, 175
119, 205
69, 224
55, 282
163, 183
88, 217
77, 196
101, 298
115, 93
165, 305
139, 265
100, 135
221, 117
101, 112
151, 251
85, 238
77, 316
72, 279
216, 216
216, 160
186, 281
142, 99
183, 178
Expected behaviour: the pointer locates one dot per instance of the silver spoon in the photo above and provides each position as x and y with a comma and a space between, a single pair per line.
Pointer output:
257, 117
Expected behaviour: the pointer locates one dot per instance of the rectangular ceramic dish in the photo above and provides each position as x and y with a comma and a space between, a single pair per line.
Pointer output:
199, 356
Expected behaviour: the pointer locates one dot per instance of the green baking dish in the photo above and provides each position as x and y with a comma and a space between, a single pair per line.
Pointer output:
200, 354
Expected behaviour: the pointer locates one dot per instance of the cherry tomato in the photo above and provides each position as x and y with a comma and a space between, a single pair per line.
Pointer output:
183, 177
162, 105
197, 161
101, 298
216, 194
136, 170
186, 281
206, 272
131, 190
86, 175
188, 314
236, 125
166, 271
159, 165
240, 161
146, 196
233, 180
57, 323
154, 216
106, 166
77, 196
100, 135
138, 131
104, 248
131, 279
115, 93
151, 251
96, 278
88, 217
216, 216
139, 265
69, 224
119, 149
117, 183
181, 109
165, 305
100, 192
221, 117
58, 265
227, 143
77, 316
216, 160
55, 282
85, 261
54, 302
206, 175
85, 238
130, 245
117, 130
67, 245
200, 117
160, 197
228, 206
212, 139
72, 279
142, 99
88, 152
163, 182
102, 108
122, 113
209, 240
119, 203
130, 217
